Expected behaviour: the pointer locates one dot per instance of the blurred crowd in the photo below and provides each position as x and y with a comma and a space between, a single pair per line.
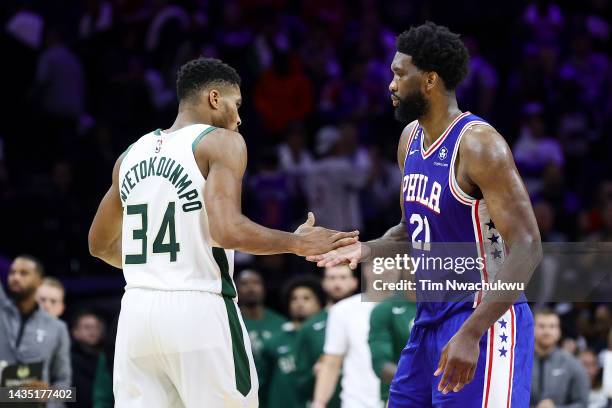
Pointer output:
84, 79
327, 341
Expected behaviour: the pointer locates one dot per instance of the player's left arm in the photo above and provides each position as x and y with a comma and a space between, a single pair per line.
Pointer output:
105, 231
487, 161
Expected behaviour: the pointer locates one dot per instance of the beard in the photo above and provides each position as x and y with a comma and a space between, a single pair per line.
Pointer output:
412, 107
250, 302
19, 296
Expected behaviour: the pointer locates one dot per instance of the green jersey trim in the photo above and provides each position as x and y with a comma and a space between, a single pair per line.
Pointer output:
242, 369
200, 136
227, 285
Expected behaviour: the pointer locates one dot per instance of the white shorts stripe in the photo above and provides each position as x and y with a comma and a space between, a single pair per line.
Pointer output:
497, 391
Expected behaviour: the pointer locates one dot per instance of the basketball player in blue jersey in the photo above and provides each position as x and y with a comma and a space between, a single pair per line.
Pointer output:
460, 185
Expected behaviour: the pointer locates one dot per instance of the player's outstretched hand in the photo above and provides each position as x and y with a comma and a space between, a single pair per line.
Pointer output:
458, 362
350, 254
318, 240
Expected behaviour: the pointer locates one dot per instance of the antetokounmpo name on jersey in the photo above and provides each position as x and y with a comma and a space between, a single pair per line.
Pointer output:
167, 168
416, 188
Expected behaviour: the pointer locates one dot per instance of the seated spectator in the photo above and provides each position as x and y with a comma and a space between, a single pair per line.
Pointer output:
50, 296
259, 321
60, 81
379, 198
534, 150
339, 282
304, 298
333, 183
97, 18
346, 350
32, 337
545, 216
479, 87
597, 397
87, 334
283, 94
544, 19
293, 155
272, 193
558, 379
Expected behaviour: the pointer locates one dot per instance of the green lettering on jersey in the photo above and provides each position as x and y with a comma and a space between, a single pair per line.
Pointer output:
167, 225
152, 161
183, 184
176, 173
160, 166
139, 234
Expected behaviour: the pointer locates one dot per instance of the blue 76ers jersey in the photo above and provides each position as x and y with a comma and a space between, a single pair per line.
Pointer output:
438, 212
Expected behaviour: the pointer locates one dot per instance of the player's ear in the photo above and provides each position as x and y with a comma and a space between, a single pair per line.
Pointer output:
431, 79
214, 98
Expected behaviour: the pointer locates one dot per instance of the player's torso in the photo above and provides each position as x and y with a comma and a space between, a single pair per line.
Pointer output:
166, 243
443, 221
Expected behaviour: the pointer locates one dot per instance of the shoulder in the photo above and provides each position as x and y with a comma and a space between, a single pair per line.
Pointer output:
314, 321
221, 146
222, 137
275, 317
288, 327
383, 307
482, 141
52, 323
569, 360
564, 356
220, 143
280, 336
345, 305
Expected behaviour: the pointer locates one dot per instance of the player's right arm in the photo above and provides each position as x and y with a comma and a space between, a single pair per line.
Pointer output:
394, 241
105, 232
222, 158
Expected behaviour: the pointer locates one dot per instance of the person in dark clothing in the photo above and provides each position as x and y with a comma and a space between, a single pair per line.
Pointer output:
87, 333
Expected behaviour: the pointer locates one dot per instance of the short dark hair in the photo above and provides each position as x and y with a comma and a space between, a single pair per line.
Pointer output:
306, 281
81, 313
199, 73
545, 311
435, 48
38, 265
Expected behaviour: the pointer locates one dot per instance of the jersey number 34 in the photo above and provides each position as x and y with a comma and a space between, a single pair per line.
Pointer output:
159, 246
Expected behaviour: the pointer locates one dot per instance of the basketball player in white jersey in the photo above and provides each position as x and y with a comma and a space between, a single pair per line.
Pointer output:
171, 221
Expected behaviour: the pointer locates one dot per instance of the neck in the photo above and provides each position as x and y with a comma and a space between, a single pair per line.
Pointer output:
297, 324
438, 118
253, 312
87, 348
544, 351
187, 116
26, 306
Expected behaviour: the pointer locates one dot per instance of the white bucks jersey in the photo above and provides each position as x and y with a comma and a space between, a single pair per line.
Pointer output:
166, 240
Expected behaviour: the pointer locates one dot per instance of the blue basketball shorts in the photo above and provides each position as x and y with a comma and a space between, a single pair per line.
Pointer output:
503, 374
